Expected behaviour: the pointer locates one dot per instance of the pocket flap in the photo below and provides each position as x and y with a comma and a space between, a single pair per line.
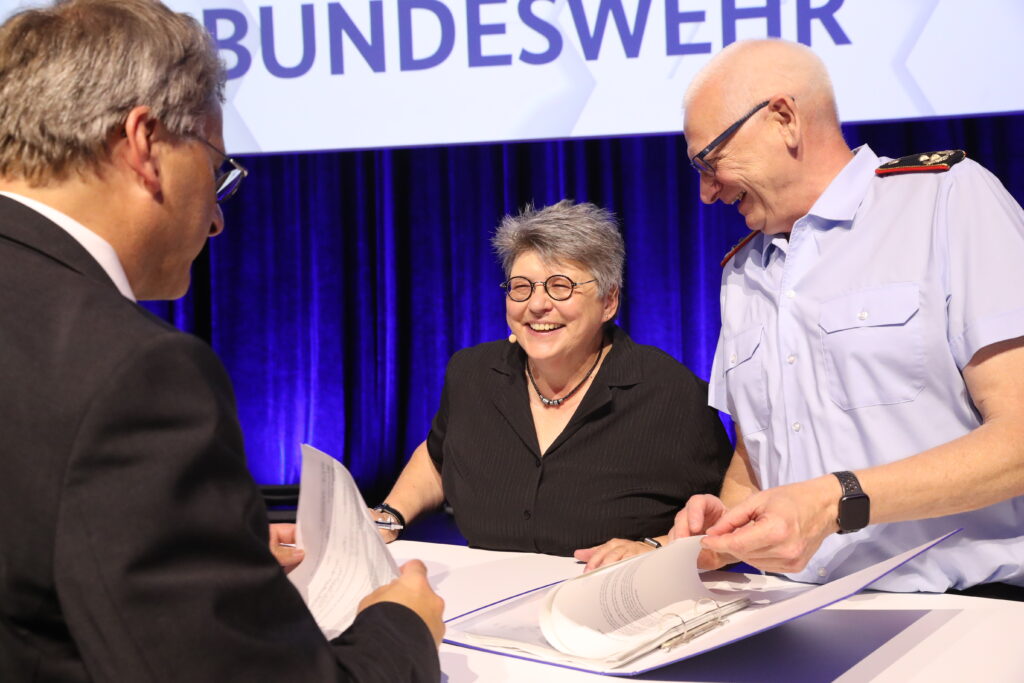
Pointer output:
741, 347
889, 305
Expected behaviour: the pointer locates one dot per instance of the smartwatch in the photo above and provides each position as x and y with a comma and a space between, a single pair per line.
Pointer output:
854, 506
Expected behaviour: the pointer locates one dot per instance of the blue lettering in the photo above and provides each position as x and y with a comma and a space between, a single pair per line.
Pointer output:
474, 30
340, 23
805, 14
447, 22
545, 29
731, 14
232, 43
267, 44
591, 42
673, 18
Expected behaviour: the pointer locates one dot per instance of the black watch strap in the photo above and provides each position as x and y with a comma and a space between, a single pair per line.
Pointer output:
384, 507
854, 505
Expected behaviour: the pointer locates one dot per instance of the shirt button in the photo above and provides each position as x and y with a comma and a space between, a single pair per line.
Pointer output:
790, 359
791, 294
863, 315
822, 572
526, 515
797, 426
732, 359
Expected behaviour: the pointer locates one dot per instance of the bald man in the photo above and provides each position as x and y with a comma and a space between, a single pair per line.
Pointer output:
871, 352
872, 342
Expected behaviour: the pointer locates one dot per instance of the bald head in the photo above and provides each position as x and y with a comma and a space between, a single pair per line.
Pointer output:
761, 126
751, 71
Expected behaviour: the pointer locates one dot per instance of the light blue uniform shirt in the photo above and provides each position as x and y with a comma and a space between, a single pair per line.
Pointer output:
841, 348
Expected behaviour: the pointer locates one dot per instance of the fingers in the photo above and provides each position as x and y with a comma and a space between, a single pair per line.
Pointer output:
584, 554
288, 558
414, 569
282, 533
613, 551
700, 512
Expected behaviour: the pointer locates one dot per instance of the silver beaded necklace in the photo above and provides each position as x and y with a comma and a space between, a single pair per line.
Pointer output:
559, 401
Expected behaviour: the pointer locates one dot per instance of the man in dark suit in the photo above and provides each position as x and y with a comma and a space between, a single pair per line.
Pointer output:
133, 542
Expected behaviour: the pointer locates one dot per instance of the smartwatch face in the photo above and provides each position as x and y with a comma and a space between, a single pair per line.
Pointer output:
854, 512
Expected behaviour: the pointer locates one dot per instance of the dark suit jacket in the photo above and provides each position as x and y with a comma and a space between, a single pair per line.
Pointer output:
133, 542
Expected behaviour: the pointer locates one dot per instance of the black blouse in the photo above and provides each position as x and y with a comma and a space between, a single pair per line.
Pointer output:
642, 441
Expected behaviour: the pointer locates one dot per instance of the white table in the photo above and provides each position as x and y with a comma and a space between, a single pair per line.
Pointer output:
869, 637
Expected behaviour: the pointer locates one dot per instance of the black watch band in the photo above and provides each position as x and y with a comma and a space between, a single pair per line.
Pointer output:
854, 505
385, 508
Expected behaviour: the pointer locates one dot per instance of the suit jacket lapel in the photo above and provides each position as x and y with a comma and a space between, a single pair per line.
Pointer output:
21, 224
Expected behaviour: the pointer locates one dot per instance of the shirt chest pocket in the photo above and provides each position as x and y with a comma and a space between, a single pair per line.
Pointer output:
745, 379
874, 353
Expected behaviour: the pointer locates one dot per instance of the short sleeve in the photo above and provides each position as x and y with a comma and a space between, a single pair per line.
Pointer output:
985, 275
439, 427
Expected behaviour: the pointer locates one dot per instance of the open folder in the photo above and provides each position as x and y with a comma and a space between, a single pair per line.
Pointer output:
648, 611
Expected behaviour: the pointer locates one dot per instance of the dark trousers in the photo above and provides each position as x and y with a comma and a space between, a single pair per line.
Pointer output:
1001, 591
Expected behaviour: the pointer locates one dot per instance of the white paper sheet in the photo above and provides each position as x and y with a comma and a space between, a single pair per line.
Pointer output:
345, 555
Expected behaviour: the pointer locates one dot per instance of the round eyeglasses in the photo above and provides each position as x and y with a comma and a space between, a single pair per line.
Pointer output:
558, 287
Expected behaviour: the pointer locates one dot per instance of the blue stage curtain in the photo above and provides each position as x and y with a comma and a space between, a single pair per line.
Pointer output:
345, 280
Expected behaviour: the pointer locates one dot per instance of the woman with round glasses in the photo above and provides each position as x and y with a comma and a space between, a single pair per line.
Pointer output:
568, 434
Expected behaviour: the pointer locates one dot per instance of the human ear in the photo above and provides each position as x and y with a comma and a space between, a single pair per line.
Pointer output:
138, 152
786, 116
611, 304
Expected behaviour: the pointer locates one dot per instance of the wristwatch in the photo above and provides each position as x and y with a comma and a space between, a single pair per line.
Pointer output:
854, 506
386, 509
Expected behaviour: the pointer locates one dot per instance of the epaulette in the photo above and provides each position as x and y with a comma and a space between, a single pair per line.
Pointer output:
739, 245
935, 162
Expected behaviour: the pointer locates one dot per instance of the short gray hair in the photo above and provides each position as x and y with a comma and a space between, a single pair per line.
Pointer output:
583, 234
71, 73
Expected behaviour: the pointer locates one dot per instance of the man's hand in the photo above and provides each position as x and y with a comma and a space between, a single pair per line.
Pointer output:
286, 556
609, 552
701, 512
779, 529
412, 590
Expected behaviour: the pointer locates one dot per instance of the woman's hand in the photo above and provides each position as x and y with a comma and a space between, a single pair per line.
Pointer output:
609, 552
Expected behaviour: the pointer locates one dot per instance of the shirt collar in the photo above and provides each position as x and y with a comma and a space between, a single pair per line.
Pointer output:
97, 247
841, 199
838, 204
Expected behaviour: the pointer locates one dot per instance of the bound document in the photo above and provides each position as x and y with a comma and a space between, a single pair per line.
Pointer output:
345, 556
647, 611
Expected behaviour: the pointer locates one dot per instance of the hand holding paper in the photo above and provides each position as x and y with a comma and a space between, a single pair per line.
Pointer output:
778, 529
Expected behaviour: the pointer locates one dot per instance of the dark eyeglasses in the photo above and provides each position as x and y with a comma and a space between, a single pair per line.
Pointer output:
227, 181
558, 287
697, 160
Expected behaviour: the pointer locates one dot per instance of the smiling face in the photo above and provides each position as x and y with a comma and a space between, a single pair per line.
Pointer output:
752, 167
558, 331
